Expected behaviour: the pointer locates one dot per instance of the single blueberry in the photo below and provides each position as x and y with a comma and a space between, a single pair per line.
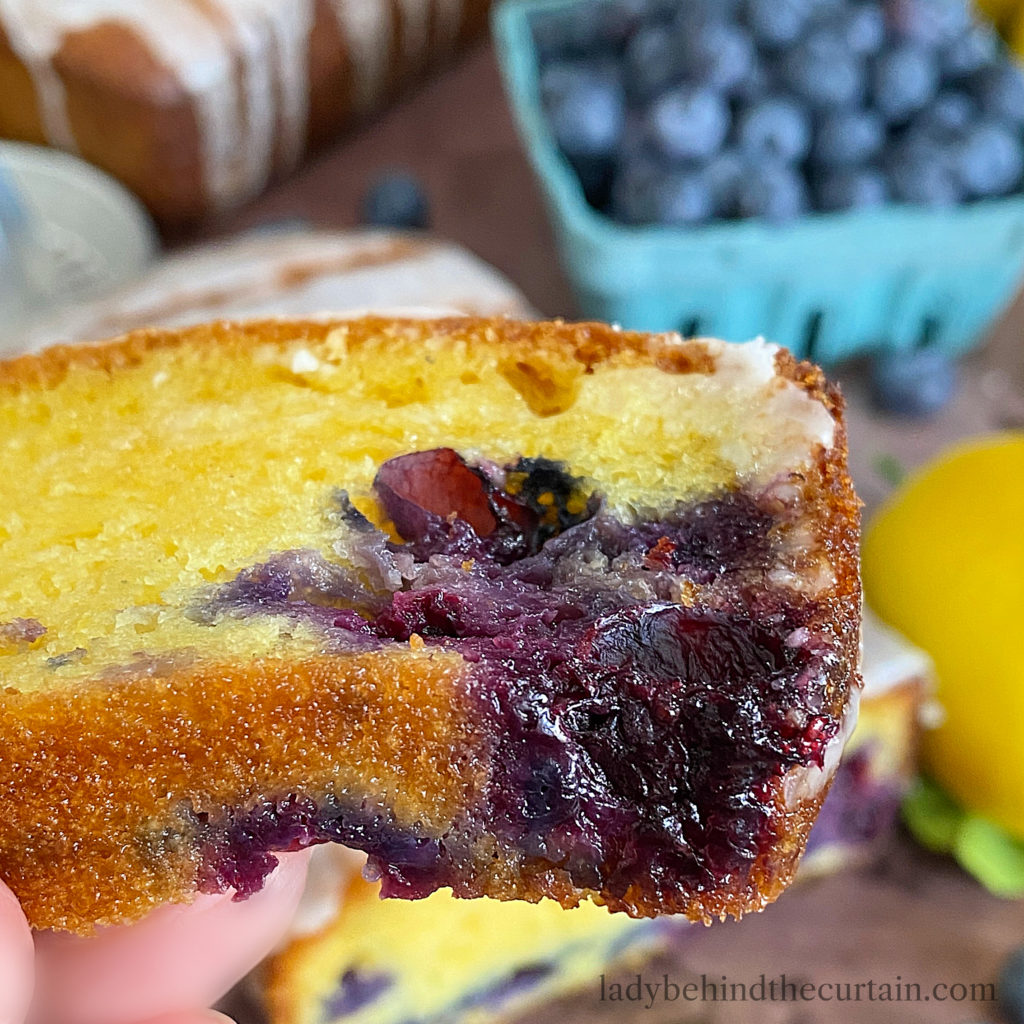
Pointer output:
991, 160
772, 192
683, 198
1011, 987
724, 172
862, 27
1000, 91
823, 71
586, 107
850, 188
950, 114
396, 199
777, 23
925, 172
928, 22
914, 384
652, 61
689, 122
716, 54
847, 137
905, 79
970, 51
776, 128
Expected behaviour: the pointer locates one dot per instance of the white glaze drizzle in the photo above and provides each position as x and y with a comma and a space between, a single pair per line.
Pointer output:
367, 28
237, 131
415, 31
255, 107
291, 25
272, 43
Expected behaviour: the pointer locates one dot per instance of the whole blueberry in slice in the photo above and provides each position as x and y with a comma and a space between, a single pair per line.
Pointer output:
1000, 91
823, 71
851, 188
777, 23
847, 137
862, 27
991, 160
1011, 987
716, 54
904, 80
772, 192
925, 172
586, 107
652, 61
775, 128
689, 122
396, 200
913, 384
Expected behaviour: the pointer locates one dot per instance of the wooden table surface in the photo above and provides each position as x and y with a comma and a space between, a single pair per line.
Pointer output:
913, 915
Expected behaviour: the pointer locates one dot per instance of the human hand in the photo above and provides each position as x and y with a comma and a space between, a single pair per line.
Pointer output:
166, 968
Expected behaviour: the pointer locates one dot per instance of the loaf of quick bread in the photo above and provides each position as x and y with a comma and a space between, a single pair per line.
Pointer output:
523, 610
198, 107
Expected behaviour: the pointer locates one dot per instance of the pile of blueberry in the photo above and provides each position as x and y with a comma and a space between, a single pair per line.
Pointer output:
681, 112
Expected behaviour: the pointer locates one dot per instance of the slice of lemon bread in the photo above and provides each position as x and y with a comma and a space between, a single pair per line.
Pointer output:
447, 961
522, 610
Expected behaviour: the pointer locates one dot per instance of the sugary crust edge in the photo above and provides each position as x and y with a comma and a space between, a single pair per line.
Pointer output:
53, 900
591, 344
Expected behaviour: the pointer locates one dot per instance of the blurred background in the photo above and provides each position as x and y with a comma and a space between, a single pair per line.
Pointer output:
845, 177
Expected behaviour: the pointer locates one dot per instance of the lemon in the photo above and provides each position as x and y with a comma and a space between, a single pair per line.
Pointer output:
944, 562
998, 10
1016, 33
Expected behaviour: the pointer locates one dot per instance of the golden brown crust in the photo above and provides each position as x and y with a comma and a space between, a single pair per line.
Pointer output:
112, 843
88, 836
587, 343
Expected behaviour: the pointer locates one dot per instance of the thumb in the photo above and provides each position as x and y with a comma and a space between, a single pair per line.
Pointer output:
16, 956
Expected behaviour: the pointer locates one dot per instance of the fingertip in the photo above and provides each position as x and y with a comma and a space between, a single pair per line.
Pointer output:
197, 1017
16, 956
173, 960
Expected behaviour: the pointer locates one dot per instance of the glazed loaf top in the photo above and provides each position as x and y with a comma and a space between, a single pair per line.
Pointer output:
251, 80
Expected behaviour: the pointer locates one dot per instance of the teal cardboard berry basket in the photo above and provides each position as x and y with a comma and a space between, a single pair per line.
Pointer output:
828, 286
